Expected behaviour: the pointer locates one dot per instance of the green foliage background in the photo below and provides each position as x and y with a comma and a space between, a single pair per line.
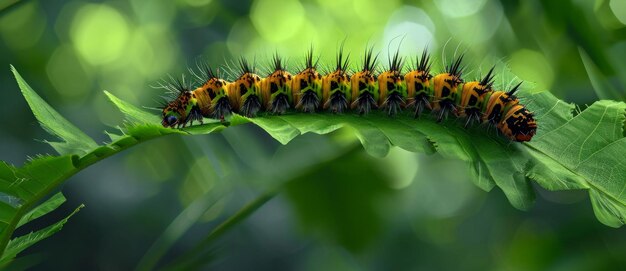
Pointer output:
341, 209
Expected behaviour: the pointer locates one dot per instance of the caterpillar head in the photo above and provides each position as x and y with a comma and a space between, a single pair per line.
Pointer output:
170, 118
175, 113
172, 114
518, 124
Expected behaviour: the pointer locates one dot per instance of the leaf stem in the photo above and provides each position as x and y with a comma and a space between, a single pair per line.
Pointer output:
193, 258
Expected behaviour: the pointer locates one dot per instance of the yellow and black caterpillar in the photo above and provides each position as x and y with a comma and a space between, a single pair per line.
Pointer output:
340, 91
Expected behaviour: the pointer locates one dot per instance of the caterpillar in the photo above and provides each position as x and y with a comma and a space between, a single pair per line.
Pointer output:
341, 90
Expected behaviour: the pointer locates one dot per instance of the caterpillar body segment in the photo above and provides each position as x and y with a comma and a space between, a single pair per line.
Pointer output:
245, 92
392, 88
419, 88
364, 86
211, 95
337, 91
307, 86
497, 104
518, 124
446, 87
336, 86
276, 89
472, 98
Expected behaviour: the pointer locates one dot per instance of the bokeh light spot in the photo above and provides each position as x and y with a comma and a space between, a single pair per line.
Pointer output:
532, 66
23, 27
99, 33
67, 74
277, 20
459, 8
413, 27
619, 9
478, 28
198, 3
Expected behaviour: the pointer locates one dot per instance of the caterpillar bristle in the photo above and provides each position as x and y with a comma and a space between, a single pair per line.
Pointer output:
245, 67
487, 81
342, 63
369, 61
278, 62
340, 91
396, 62
423, 63
455, 67
309, 63
203, 71
514, 89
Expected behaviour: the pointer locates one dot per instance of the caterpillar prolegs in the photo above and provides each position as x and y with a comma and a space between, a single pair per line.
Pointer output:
341, 91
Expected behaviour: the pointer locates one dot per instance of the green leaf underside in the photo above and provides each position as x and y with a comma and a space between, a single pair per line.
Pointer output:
42, 209
74, 140
21, 243
585, 151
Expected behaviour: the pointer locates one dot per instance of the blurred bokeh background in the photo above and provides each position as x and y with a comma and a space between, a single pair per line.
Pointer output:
339, 209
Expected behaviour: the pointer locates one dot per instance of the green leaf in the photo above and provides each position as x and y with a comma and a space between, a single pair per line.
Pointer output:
7, 212
601, 84
493, 160
21, 243
28, 185
74, 140
132, 113
38, 176
585, 151
42, 209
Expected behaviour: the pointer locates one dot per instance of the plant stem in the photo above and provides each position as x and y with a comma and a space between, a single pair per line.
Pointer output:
192, 258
